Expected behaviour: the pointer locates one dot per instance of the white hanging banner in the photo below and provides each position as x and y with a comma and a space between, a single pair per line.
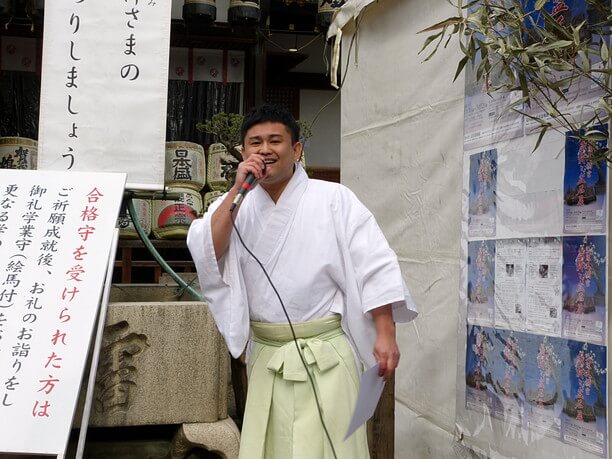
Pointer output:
56, 230
104, 88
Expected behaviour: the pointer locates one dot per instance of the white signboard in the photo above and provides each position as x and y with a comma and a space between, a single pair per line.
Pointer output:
56, 231
104, 88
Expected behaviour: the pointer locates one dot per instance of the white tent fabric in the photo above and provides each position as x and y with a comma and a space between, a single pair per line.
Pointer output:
402, 139
402, 152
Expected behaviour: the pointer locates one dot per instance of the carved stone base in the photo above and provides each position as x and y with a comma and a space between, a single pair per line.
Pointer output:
220, 437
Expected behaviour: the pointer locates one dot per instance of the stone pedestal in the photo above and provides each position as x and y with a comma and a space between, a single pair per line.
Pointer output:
160, 363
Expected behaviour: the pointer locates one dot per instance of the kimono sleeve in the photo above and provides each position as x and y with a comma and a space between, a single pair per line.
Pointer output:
221, 283
375, 265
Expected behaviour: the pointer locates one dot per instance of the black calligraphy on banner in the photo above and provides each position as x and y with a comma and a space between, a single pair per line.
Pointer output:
72, 84
131, 70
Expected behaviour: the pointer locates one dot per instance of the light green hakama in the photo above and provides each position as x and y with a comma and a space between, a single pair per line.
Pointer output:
281, 419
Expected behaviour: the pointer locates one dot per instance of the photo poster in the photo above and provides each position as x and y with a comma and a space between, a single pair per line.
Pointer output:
584, 288
56, 233
582, 96
584, 187
533, 380
482, 194
543, 386
481, 283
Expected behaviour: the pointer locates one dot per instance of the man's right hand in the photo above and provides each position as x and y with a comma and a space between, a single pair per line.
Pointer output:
253, 164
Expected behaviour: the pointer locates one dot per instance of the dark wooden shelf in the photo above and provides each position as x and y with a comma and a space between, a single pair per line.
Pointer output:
135, 264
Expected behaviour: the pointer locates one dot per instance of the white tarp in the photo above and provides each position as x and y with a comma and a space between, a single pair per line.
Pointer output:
402, 122
402, 126
104, 88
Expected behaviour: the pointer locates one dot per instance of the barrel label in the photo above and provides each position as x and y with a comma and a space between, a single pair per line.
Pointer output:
235, 3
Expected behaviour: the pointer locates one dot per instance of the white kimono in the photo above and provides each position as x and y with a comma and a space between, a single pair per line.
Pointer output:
324, 253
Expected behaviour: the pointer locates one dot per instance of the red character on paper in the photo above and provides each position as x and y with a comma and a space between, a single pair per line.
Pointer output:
58, 336
71, 292
74, 273
86, 231
94, 195
44, 407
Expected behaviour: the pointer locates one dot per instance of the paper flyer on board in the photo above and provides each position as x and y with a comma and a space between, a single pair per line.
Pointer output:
486, 117
510, 284
508, 377
482, 194
584, 187
584, 288
584, 422
544, 372
481, 283
544, 267
579, 102
477, 374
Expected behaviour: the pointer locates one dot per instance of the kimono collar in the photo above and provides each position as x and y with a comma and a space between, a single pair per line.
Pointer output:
276, 218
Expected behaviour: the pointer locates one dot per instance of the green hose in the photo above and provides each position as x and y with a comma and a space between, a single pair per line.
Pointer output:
149, 245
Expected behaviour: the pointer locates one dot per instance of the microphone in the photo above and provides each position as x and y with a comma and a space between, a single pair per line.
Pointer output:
244, 189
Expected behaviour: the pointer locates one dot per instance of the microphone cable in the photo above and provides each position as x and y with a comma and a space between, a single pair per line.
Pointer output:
297, 346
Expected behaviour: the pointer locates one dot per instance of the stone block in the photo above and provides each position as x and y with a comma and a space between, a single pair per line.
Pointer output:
160, 363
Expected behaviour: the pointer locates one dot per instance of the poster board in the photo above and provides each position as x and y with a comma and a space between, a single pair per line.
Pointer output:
104, 88
56, 230
532, 380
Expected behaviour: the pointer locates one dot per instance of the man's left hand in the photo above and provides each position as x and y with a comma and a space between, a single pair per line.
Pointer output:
386, 350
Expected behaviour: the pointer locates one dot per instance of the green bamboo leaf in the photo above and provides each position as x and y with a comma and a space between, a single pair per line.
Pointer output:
539, 4
595, 134
428, 41
540, 137
586, 62
603, 51
556, 45
523, 84
443, 24
576, 35
462, 63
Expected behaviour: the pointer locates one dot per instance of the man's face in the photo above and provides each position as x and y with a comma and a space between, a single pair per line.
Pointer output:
272, 141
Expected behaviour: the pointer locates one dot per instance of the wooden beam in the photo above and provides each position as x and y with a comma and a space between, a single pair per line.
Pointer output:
381, 428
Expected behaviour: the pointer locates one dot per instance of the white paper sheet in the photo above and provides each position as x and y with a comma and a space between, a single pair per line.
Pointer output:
370, 389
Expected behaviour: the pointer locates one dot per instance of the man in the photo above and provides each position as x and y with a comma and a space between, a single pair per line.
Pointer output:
338, 280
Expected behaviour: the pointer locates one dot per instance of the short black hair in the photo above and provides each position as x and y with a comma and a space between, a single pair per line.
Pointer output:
268, 113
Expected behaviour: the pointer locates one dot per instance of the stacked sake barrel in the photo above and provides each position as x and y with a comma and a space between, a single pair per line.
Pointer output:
18, 153
185, 174
217, 180
127, 230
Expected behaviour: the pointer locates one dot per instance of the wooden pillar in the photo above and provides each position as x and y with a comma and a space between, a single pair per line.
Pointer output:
259, 77
381, 428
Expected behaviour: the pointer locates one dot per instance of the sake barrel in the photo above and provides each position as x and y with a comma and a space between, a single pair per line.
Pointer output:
171, 219
127, 230
326, 10
185, 165
18, 153
216, 171
211, 197
241, 12
200, 11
